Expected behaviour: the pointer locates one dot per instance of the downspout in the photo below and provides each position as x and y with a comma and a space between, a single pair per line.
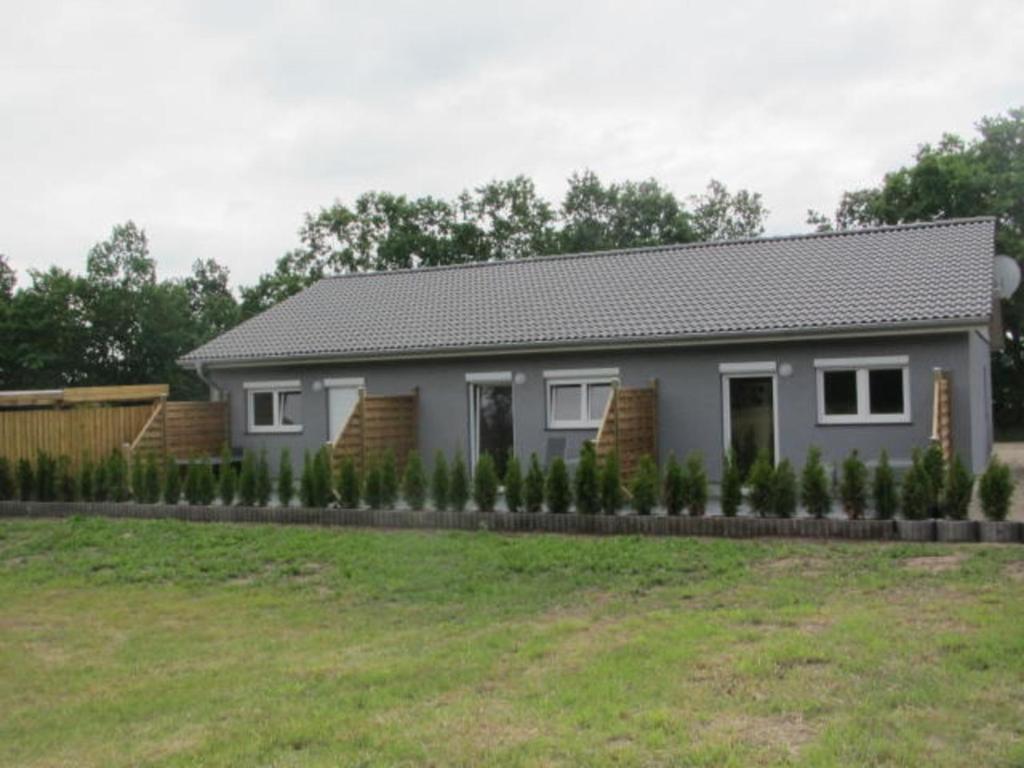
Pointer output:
215, 393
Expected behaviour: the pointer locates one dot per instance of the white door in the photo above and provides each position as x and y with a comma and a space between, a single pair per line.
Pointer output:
341, 401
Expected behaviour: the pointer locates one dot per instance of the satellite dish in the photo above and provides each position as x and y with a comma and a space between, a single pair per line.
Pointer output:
1007, 273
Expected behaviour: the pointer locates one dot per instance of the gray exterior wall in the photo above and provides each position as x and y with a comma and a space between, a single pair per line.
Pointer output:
690, 397
979, 374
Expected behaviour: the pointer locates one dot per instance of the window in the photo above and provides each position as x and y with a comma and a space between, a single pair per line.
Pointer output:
274, 406
577, 399
867, 390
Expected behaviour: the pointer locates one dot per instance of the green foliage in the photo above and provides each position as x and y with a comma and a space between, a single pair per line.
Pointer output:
853, 486
388, 478
414, 481
373, 490
959, 485
439, 481
67, 483
557, 490
247, 479
349, 491
695, 484
136, 469
586, 481
644, 487
322, 485
883, 488
7, 484
934, 465
192, 481
117, 476
762, 485
307, 495
207, 486
46, 477
732, 485
513, 483
228, 480
264, 485
533, 486
995, 489
784, 492
285, 479
86, 479
814, 486
485, 483
101, 481
673, 486
458, 487
611, 484
172, 481
150, 479
915, 490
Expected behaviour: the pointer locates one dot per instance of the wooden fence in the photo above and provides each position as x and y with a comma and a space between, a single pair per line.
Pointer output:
630, 426
183, 429
942, 412
379, 423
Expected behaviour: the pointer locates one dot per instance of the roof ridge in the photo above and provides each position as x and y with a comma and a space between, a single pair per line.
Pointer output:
699, 245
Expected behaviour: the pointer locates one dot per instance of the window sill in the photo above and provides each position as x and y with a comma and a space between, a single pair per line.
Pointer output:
895, 422
572, 427
274, 430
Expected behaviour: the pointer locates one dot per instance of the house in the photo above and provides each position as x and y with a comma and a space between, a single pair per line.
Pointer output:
774, 344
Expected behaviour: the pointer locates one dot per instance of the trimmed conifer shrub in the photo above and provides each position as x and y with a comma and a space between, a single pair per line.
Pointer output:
306, 493
439, 481
322, 485
784, 492
995, 489
388, 479
26, 480
513, 483
414, 481
117, 476
934, 465
674, 490
264, 485
853, 486
136, 468
285, 479
644, 487
762, 485
485, 483
349, 491
458, 487
192, 481
585, 481
533, 486
101, 481
732, 485
695, 477
915, 494
556, 487
227, 482
172, 481
86, 476
150, 479
207, 482
959, 485
7, 489
373, 490
883, 488
611, 484
247, 479
67, 483
814, 492
46, 477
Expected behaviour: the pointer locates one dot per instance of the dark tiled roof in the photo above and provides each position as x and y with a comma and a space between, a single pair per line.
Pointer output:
910, 275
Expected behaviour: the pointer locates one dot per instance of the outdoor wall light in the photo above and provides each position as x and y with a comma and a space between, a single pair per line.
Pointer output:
785, 370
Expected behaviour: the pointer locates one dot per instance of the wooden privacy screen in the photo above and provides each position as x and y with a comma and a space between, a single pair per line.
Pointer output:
942, 417
630, 426
379, 423
183, 429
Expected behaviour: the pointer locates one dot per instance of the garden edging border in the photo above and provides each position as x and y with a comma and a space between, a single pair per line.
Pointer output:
722, 527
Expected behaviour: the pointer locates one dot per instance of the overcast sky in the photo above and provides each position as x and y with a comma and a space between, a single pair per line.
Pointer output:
215, 126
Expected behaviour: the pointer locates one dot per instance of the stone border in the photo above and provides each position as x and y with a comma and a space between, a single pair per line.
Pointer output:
723, 527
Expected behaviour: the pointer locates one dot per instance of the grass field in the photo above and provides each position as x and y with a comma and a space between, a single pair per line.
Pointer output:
164, 643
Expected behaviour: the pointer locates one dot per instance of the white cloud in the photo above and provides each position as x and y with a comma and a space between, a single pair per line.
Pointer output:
217, 125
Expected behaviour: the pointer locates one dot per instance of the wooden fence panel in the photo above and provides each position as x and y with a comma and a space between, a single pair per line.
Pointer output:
195, 428
379, 423
630, 427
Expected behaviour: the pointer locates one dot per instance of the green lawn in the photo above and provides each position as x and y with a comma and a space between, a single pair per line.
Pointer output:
167, 643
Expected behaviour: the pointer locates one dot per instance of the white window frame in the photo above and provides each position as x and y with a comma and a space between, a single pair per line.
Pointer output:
584, 378
275, 388
862, 367
758, 370
473, 382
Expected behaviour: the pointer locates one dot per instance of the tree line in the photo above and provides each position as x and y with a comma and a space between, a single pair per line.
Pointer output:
117, 323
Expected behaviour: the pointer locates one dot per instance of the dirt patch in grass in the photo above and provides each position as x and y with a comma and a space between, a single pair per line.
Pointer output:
789, 565
1015, 570
787, 733
934, 563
